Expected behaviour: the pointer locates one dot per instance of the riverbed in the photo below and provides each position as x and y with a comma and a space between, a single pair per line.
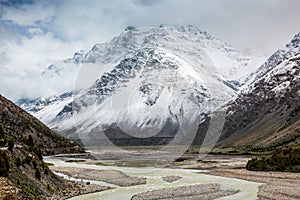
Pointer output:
247, 190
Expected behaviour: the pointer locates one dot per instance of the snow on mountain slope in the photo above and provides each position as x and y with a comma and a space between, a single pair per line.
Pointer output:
151, 81
264, 113
267, 109
231, 64
158, 85
45, 109
291, 49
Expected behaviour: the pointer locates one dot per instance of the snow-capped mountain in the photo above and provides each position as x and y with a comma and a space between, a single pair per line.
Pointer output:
291, 49
266, 113
50, 104
149, 81
230, 63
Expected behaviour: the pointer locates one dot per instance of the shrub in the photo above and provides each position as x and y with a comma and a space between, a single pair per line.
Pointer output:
37, 151
18, 162
28, 159
282, 160
4, 163
34, 164
37, 174
30, 141
46, 171
10, 145
3, 142
2, 131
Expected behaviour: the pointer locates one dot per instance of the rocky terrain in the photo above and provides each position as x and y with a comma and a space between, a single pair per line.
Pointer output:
23, 142
109, 176
193, 192
171, 179
265, 114
278, 185
262, 115
18, 125
146, 81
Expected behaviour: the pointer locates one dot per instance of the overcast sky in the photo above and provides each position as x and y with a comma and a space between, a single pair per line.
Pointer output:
34, 34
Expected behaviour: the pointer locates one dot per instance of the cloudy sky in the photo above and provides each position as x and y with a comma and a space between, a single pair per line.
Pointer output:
34, 34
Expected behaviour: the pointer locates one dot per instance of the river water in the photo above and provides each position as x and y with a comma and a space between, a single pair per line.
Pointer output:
248, 190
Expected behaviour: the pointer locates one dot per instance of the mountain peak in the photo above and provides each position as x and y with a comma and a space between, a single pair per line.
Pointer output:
130, 28
171, 37
191, 29
163, 62
295, 42
292, 49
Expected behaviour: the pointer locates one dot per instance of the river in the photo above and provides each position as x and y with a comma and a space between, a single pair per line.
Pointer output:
247, 189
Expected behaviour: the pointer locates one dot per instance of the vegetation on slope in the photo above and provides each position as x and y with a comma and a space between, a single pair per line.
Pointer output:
17, 124
287, 160
23, 142
21, 161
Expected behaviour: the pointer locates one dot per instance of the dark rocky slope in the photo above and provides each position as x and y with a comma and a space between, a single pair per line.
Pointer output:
23, 142
266, 114
18, 125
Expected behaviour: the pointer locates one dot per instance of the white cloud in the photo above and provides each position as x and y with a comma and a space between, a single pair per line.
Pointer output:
23, 62
32, 36
35, 31
30, 14
244, 24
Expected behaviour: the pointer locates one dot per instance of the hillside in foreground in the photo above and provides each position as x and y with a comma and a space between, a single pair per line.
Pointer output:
18, 125
23, 142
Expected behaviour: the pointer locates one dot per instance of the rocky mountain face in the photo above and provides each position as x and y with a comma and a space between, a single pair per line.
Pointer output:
149, 80
53, 103
228, 60
23, 142
266, 113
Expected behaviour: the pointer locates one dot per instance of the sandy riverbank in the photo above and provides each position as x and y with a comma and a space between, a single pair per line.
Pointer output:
9, 192
278, 185
75, 189
115, 177
192, 192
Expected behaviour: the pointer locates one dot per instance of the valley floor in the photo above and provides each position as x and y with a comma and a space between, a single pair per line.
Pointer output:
181, 179
191, 177
278, 185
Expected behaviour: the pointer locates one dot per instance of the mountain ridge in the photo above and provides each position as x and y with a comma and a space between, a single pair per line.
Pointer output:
141, 55
154, 57
265, 114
